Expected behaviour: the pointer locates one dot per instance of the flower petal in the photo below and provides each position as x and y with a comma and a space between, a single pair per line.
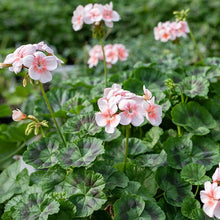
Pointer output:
45, 77
28, 60
33, 73
100, 119
51, 62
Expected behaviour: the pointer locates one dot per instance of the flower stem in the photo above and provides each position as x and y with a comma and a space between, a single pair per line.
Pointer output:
42, 132
197, 189
126, 146
196, 46
104, 60
51, 112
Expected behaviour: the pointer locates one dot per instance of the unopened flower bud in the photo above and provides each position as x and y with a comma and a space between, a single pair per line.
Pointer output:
25, 81
36, 130
17, 115
170, 84
44, 123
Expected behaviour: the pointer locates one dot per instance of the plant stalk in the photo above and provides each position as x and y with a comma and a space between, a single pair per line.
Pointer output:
52, 113
196, 46
197, 189
126, 146
104, 60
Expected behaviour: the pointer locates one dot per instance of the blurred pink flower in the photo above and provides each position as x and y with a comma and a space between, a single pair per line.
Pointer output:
170, 30
40, 66
16, 58
94, 14
17, 115
147, 94
78, 18
122, 52
216, 175
153, 112
210, 197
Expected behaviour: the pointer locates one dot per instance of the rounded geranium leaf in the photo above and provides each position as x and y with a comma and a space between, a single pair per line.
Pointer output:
152, 160
107, 137
152, 212
199, 71
150, 77
213, 74
133, 85
194, 174
34, 206
81, 153
212, 61
113, 177
128, 207
193, 117
13, 180
136, 146
189, 204
144, 176
193, 86
86, 190
198, 213
84, 124
176, 189
178, 151
42, 154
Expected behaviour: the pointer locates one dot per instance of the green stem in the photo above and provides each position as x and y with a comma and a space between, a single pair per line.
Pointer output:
158, 196
126, 146
197, 189
179, 131
42, 131
51, 112
196, 46
104, 60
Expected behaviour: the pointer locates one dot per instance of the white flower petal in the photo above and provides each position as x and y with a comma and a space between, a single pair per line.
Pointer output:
100, 119
45, 77
51, 62
28, 60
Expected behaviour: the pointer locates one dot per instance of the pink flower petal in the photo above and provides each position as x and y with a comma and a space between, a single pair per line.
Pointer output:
109, 129
137, 120
51, 62
100, 119
33, 73
28, 60
125, 119
45, 77
9, 58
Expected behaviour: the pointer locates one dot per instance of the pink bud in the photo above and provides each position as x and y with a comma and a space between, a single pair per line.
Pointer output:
17, 115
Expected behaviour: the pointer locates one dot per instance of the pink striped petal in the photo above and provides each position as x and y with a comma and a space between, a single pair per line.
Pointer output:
100, 119
33, 73
125, 120
137, 120
51, 62
28, 60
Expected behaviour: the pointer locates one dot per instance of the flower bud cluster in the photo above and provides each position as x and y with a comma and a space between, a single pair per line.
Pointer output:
38, 58
170, 30
94, 14
119, 106
211, 195
113, 53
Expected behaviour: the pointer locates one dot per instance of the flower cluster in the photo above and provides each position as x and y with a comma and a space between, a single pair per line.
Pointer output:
211, 195
120, 106
38, 58
170, 30
113, 53
94, 14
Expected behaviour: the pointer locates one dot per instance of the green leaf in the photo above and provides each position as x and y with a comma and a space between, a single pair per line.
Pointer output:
213, 61
5, 111
13, 181
133, 85
193, 86
200, 214
176, 190
135, 146
144, 176
83, 124
82, 187
113, 178
109, 137
86, 188
199, 71
183, 150
128, 207
81, 153
34, 206
188, 206
193, 117
42, 153
152, 160
213, 74
194, 174
152, 212
57, 97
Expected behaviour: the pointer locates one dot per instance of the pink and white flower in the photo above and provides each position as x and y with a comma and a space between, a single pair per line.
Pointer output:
147, 94
16, 58
93, 15
78, 18
216, 175
113, 53
107, 117
210, 197
131, 112
170, 30
40, 66
17, 115
153, 112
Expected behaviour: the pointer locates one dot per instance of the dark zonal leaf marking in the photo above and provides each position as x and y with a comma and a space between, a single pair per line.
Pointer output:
176, 189
152, 212
42, 153
81, 153
128, 207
